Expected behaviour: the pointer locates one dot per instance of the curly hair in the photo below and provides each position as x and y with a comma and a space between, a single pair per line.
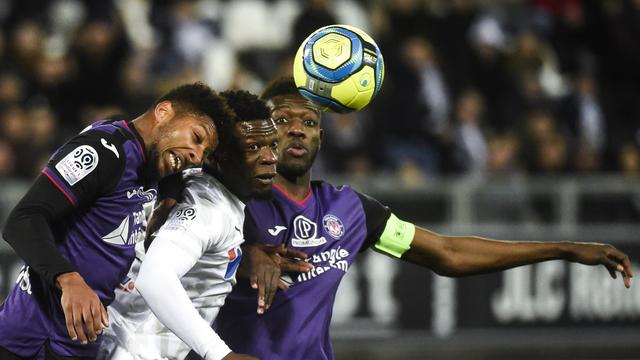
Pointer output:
247, 106
199, 99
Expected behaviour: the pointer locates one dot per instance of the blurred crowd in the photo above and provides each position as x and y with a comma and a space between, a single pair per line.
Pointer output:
489, 88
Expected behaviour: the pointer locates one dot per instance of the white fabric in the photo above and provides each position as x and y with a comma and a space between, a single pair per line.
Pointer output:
184, 278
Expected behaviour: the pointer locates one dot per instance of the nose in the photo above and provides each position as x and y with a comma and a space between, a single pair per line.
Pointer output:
268, 156
296, 128
195, 156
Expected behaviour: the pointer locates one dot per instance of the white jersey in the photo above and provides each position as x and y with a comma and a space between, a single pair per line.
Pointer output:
205, 230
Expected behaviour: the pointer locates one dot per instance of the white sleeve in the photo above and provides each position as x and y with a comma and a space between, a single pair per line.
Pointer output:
177, 247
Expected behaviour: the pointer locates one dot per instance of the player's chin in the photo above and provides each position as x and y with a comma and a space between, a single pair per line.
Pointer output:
301, 163
261, 190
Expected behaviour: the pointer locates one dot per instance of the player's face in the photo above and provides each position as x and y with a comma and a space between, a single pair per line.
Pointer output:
182, 142
298, 123
256, 163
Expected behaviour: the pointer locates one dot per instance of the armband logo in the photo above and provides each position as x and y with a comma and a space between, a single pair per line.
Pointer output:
333, 226
78, 164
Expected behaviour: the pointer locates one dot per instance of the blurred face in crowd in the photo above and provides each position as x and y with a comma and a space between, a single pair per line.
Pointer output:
179, 140
298, 123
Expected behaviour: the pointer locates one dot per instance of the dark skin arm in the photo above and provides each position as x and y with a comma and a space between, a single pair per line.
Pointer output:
263, 265
29, 231
468, 255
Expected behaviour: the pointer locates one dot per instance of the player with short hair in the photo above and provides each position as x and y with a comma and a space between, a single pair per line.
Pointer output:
77, 226
190, 266
332, 224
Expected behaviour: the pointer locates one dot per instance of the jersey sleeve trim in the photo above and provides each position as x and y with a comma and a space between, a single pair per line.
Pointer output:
60, 185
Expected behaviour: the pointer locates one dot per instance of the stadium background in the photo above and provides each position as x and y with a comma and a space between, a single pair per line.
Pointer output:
511, 119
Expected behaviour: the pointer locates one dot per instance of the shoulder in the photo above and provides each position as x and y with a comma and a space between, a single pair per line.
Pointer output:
209, 196
101, 141
331, 192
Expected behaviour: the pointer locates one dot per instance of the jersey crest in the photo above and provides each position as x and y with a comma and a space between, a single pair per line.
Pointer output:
333, 226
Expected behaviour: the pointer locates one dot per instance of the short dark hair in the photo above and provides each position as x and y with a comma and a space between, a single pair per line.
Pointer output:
246, 106
199, 99
279, 87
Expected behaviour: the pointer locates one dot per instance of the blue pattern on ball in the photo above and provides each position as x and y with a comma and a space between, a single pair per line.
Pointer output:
333, 76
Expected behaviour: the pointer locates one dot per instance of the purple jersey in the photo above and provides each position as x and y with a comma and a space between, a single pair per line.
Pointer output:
100, 172
332, 225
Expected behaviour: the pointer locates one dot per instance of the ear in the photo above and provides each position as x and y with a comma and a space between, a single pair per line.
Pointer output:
164, 111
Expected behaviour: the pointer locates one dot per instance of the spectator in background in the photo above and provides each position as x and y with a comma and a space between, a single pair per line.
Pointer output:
582, 114
15, 129
506, 199
12, 88
43, 135
470, 143
345, 143
545, 150
432, 87
552, 155
489, 73
7, 160
315, 14
99, 52
451, 39
25, 47
54, 82
629, 160
418, 101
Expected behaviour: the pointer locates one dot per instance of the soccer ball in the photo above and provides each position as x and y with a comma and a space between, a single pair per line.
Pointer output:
339, 68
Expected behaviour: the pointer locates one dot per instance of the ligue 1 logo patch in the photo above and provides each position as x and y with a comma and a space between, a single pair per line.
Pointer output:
333, 226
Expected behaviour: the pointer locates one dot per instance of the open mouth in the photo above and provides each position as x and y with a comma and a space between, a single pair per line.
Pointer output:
266, 178
175, 161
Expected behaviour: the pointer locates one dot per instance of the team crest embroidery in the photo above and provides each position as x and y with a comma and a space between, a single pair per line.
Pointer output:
333, 226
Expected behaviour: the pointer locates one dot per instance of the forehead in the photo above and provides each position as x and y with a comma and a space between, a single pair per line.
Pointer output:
188, 120
256, 128
292, 103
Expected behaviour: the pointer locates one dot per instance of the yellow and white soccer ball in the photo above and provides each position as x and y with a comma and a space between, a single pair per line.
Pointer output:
339, 68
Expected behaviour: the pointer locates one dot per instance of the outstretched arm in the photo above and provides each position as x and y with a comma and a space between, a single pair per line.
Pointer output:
468, 255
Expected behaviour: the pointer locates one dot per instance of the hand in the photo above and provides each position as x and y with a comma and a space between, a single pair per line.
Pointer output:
236, 356
607, 255
263, 264
81, 307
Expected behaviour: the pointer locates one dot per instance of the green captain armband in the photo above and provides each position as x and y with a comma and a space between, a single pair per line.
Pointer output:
396, 238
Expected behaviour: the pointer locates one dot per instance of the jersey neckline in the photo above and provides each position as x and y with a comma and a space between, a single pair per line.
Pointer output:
301, 203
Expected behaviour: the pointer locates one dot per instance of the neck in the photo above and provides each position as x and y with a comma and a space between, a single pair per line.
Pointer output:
298, 187
233, 185
144, 125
